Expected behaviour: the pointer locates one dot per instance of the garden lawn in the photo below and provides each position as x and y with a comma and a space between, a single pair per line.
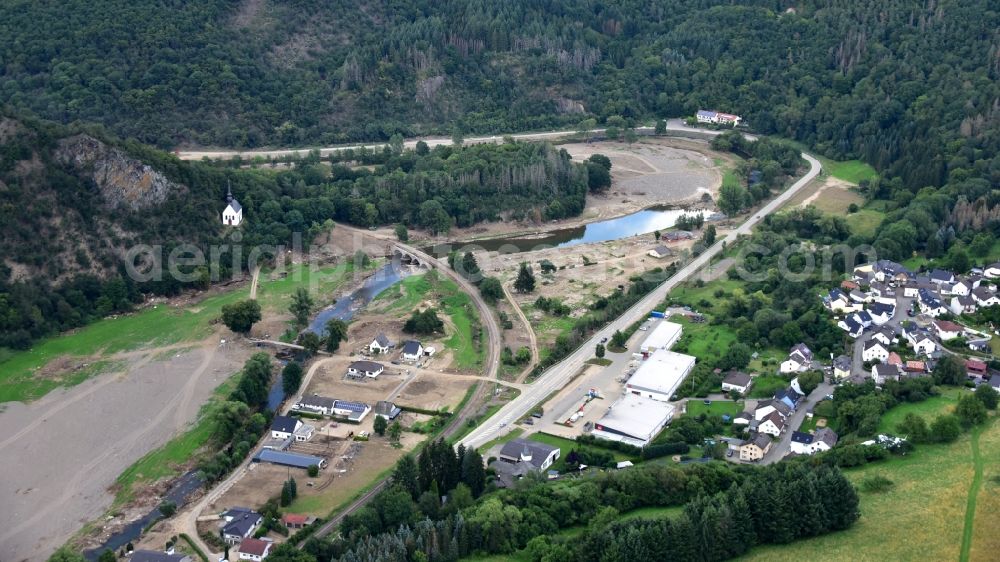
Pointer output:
922, 517
567, 445
764, 386
717, 407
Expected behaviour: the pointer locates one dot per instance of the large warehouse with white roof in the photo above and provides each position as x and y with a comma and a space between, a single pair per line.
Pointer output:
660, 375
634, 420
664, 335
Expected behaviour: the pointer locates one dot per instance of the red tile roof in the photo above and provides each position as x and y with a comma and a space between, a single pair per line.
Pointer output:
294, 519
255, 547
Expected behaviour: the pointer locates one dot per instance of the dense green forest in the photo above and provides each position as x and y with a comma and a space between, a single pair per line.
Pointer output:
727, 510
65, 230
908, 85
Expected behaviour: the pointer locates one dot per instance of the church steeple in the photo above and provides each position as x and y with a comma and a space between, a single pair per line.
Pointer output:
229, 192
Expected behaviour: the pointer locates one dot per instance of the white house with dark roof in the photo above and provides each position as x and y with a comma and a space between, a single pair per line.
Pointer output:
283, 427
369, 369
412, 350
984, 297
519, 457
772, 424
158, 556
380, 344
660, 251
735, 380
316, 404
947, 329
255, 550
240, 526
885, 372
232, 215
874, 350
963, 304
811, 443
799, 359
841, 367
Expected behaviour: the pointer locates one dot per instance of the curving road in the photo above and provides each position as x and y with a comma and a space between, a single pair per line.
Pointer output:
558, 375
673, 125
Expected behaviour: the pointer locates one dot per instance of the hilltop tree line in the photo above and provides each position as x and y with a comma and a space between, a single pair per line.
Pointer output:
728, 510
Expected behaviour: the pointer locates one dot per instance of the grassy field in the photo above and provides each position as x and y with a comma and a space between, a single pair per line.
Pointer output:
547, 328
854, 171
929, 409
703, 339
865, 221
717, 407
151, 327
923, 517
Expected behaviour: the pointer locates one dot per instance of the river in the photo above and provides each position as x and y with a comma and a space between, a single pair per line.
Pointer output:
344, 309
641, 222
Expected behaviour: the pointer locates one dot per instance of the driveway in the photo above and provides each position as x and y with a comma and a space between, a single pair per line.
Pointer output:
782, 447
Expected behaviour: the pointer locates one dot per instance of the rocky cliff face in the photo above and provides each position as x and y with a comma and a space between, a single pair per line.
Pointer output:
123, 181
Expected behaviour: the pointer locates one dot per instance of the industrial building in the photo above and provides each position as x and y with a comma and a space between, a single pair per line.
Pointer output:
634, 420
660, 375
663, 336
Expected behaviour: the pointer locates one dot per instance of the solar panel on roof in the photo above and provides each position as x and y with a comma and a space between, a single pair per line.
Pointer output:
353, 406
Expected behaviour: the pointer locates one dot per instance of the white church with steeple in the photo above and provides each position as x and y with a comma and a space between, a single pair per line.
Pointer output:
233, 213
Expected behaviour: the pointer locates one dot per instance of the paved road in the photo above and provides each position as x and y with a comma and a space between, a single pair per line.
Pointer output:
558, 375
784, 445
673, 126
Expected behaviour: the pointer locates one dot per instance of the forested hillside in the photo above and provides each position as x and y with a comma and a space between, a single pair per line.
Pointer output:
73, 203
910, 86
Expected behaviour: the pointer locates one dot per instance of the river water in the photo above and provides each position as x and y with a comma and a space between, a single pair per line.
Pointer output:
640, 222
178, 494
344, 309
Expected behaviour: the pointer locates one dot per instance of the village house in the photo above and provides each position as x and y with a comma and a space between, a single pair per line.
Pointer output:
886, 335
767, 407
885, 372
851, 326
963, 304
881, 312
316, 404
947, 330
838, 301
992, 271
772, 424
351, 410
941, 277
255, 549
841, 367
296, 520
921, 341
975, 368
519, 457
789, 396
387, 410
412, 350
287, 427
915, 368
735, 380
809, 444
874, 350
380, 344
799, 359
930, 304
369, 369
995, 382
984, 297
660, 252
717, 118
240, 524
755, 448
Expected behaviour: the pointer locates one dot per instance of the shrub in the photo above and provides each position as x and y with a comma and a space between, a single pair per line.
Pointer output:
876, 484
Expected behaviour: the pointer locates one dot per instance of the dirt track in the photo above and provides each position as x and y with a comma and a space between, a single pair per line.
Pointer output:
77, 441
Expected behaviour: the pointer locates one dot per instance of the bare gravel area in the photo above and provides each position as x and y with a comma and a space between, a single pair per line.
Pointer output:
62, 453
